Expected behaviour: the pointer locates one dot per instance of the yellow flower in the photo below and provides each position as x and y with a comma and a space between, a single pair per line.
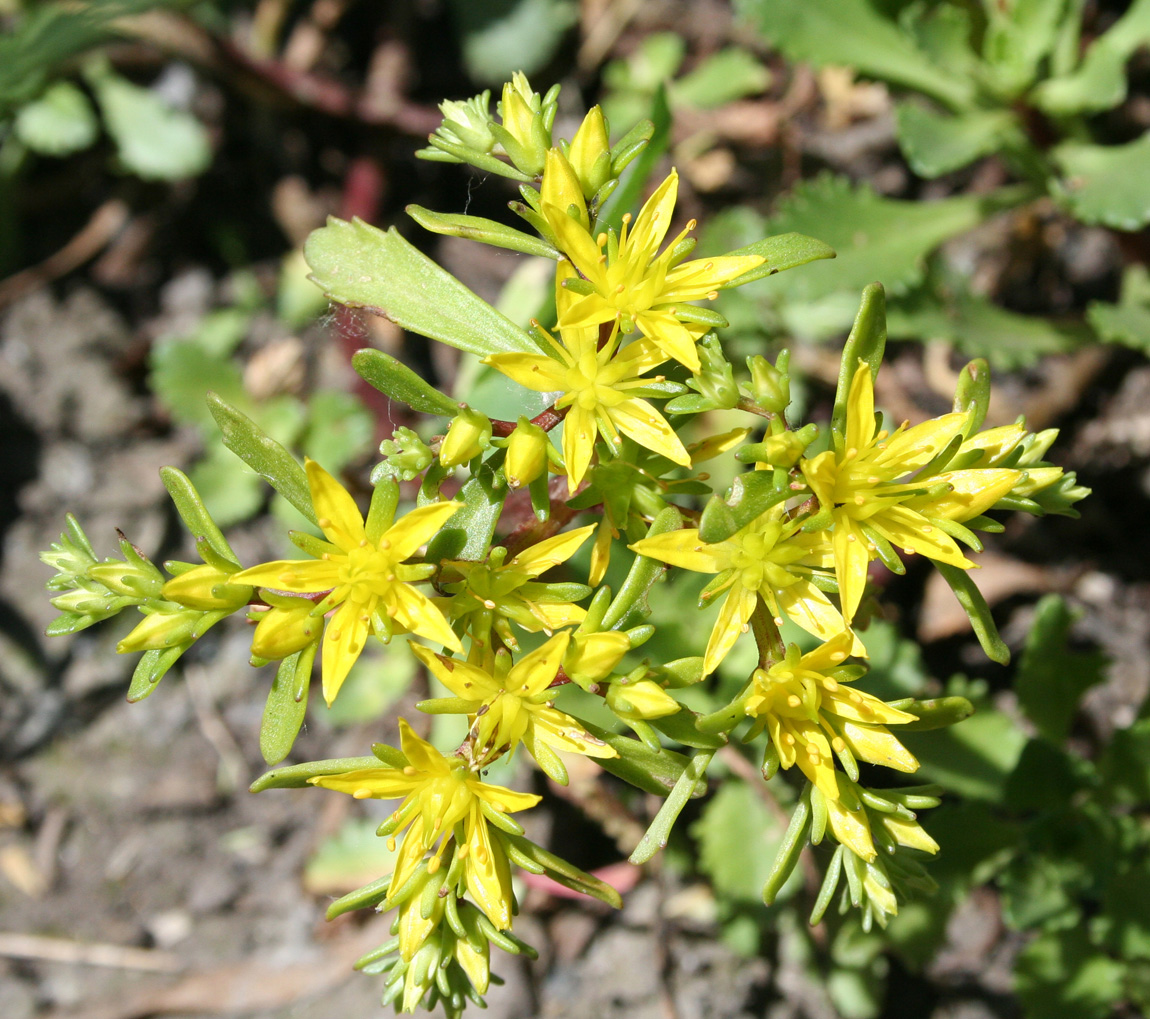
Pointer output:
640, 700
590, 153
810, 715
770, 558
513, 703
867, 486
493, 592
595, 383
361, 565
636, 286
440, 793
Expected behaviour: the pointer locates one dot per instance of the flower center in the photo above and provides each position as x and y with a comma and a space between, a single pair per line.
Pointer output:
366, 573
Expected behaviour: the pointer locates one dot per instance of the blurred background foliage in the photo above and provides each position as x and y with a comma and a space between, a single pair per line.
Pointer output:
988, 162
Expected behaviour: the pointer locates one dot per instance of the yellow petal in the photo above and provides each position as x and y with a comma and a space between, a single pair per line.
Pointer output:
860, 409
685, 549
301, 576
382, 783
733, 617
562, 732
534, 671
506, 801
910, 531
851, 829
654, 218
638, 420
342, 642
560, 186
420, 754
974, 492
339, 517
909, 833
670, 335
579, 431
912, 448
694, 280
418, 527
542, 374
875, 745
418, 613
487, 872
806, 605
461, 678
601, 553
576, 243
851, 559
549, 553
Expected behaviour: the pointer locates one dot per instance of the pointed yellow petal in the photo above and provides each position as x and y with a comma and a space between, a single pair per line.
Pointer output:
875, 745
912, 448
638, 420
533, 672
549, 553
339, 517
418, 527
505, 800
560, 186
910, 531
418, 613
909, 833
685, 549
576, 243
579, 431
342, 642
670, 335
382, 783
562, 732
461, 678
851, 829
693, 280
806, 605
487, 872
975, 491
542, 374
851, 559
860, 408
420, 754
733, 617
299, 575
654, 219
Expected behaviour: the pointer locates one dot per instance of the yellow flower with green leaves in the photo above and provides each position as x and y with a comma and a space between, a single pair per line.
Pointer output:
771, 558
812, 715
597, 386
362, 566
513, 704
869, 486
444, 802
631, 283
494, 593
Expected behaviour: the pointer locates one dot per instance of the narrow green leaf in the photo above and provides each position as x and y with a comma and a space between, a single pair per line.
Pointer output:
286, 705
681, 728
972, 394
866, 342
789, 851
653, 771
150, 669
296, 776
361, 266
974, 605
630, 604
781, 252
936, 713
486, 231
567, 874
263, 455
393, 377
194, 514
362, 898
693, 779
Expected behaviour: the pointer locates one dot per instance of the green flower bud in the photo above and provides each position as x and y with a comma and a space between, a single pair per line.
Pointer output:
526, 454
468, 435
771, 383
163, 629
285, 628
407, 455
468, 123
715, 380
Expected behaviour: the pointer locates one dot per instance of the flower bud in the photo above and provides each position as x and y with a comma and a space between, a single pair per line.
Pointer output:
523, 134
591, 657
590, 152
468, 123
205, 587
132, 579
285, 628
407, 456
467, 437
715, 380
158, 630
526, 454
641, 700
561, 187
786, 449
771, 382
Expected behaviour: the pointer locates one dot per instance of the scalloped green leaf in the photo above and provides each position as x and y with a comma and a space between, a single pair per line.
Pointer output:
1106, 184
1128, 321
361, 266
59, 123
854, 33
935, 143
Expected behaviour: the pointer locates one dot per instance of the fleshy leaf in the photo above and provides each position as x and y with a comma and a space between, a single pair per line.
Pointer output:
937, 143
363, 267
393, 377
486, 231
1107, 184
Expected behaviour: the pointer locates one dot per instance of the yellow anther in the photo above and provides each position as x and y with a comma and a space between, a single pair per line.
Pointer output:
362, 793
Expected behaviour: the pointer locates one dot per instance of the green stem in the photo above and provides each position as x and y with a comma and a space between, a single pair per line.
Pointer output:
767, 636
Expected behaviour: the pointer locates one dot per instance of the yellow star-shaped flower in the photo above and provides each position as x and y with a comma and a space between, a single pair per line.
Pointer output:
632, 283
595, 383
811, 714
869, 485
771, 558
362, 567
512, 704
440, 793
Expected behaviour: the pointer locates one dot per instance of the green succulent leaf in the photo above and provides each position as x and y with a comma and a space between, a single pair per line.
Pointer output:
1128, 321
467, 535
286, 705
59, 123
363, 267
396, 380
486, 231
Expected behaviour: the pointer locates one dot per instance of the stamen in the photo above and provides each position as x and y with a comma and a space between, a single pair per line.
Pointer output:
362, 793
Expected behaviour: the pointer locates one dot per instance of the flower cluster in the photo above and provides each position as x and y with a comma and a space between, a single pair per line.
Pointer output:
508, 626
